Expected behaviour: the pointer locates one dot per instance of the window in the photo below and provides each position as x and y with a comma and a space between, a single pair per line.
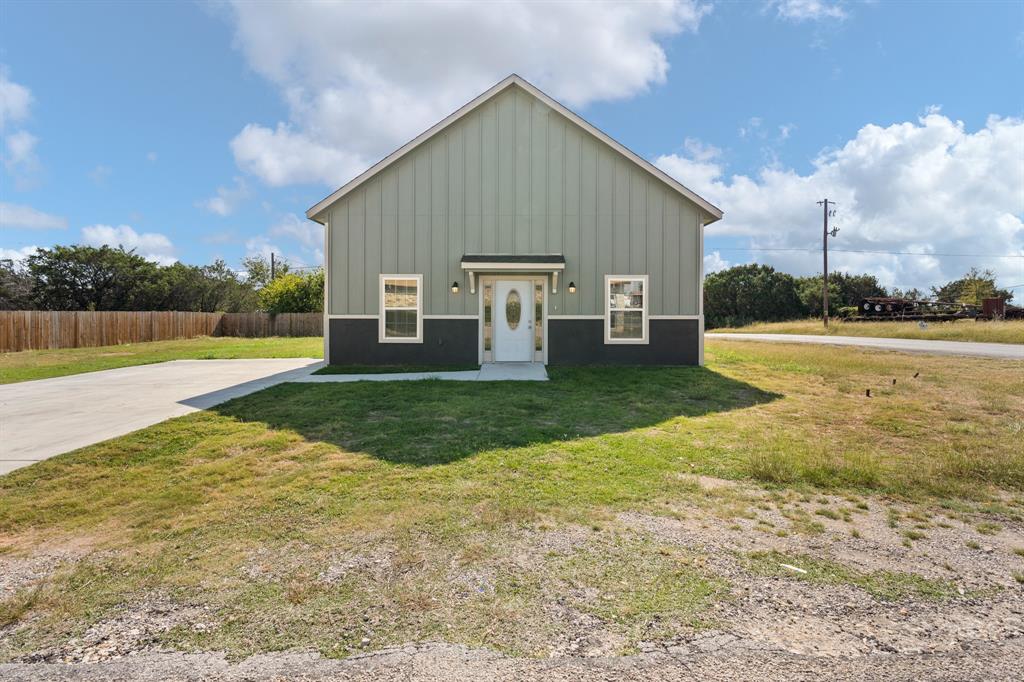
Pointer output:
626, 309
538, 318
488, 327
401, 320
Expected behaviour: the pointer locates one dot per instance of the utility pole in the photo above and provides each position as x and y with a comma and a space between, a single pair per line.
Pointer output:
824, 251
273, 268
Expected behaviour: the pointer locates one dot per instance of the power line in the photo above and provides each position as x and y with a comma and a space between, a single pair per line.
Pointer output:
890, 253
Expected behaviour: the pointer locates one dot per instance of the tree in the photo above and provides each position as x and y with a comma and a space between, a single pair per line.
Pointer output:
226, 291
750, 293
91, 278
974, 286
844, 290
15, 286
257, 270
294, 293
208, 288
913, 293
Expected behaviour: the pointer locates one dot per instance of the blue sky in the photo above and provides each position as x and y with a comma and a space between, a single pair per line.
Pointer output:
174, 127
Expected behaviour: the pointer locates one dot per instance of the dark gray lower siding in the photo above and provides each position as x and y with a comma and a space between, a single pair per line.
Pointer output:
581, 342
571, 342
445, 342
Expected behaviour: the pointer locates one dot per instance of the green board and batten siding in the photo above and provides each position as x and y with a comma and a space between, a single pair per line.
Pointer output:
514, 177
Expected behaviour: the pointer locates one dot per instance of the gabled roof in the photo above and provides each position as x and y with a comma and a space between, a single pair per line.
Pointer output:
315, 212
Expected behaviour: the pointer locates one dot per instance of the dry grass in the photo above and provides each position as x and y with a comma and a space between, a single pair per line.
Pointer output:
317, 515
1005, 331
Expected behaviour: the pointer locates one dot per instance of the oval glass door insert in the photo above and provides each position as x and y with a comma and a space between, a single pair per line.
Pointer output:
513, 309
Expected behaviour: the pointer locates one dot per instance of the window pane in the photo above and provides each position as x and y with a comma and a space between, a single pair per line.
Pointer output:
626, 293
486, 317
513, 309
400, 324
627, 325
538, 317
399, 293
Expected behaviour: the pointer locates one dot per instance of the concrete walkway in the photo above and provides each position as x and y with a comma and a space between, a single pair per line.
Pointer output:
1003, 351
504, 371
40, 419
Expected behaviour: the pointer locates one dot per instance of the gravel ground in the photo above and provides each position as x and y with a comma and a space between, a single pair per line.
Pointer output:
446, 662
774, 625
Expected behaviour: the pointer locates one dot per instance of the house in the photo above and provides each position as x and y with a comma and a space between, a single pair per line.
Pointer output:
513, 231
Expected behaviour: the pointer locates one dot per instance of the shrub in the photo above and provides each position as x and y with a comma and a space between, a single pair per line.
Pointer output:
293, 293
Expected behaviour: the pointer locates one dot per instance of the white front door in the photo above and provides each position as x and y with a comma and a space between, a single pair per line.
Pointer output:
513, 321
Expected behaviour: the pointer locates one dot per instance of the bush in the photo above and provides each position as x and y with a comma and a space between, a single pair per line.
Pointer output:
750, 293
293, 293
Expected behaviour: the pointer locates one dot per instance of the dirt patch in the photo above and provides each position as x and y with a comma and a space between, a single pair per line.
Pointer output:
135, 630
976, 599
28, 561
710, 482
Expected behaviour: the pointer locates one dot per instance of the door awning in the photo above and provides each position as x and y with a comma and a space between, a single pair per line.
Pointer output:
536, 263
477, 263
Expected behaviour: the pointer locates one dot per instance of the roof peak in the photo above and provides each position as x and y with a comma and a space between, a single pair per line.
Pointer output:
512, 79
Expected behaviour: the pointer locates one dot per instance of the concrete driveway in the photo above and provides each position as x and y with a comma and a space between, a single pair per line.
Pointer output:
40, 419
1004, 351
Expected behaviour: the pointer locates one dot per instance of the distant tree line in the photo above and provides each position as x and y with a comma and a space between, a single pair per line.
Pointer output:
760, 293
106, 278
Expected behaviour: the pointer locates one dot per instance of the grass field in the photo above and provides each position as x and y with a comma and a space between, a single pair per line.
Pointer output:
43, 364
962, 330
327, 516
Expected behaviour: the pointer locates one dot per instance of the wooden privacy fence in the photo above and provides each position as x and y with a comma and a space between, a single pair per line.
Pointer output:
265, 324
40, 329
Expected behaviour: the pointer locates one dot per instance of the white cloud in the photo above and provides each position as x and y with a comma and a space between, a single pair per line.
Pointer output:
17, 255
302, 239
26, 217
713, 262
151, 157
752, 126
227, 198
699, 151
15, 100
20, 158
150, 245
807, 10
100, 174
352, 98
927, 186
307, 233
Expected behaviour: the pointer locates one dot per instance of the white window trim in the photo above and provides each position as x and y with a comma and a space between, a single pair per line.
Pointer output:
419, 310
608, 312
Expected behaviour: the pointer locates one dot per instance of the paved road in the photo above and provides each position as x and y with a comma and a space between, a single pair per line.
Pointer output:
1004, 351
40, 419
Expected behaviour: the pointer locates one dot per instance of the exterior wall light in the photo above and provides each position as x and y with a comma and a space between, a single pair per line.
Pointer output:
455, 287
572, 287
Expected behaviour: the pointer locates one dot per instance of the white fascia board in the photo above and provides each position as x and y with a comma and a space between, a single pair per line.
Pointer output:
532, 267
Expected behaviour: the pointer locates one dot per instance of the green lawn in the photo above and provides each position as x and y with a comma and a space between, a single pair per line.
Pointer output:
317, 515
43, 364
1004, 331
